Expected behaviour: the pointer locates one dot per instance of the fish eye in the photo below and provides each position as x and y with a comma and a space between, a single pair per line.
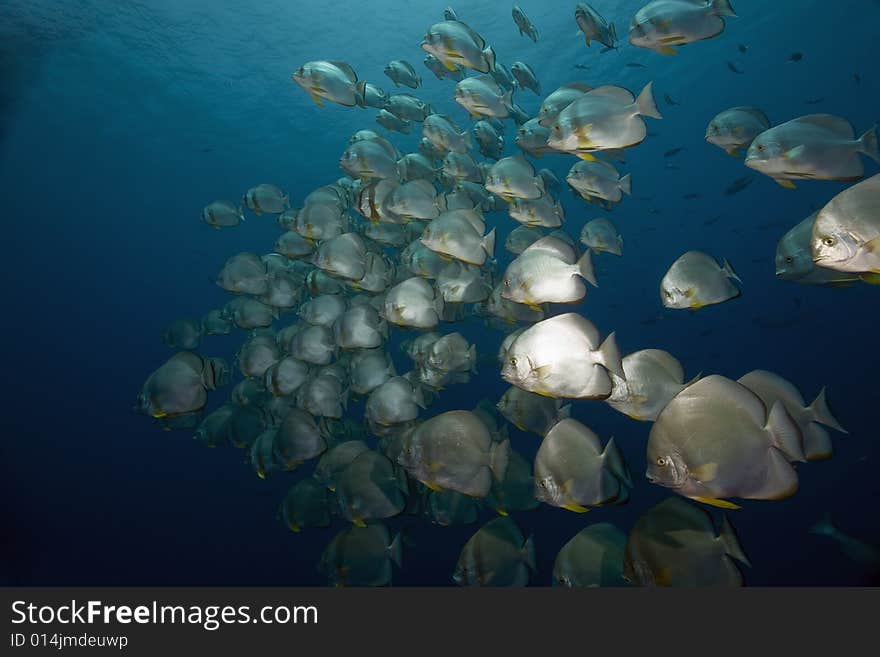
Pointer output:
542, 483
513, 362
789, 259
829, 241
506, 282
661, 461
760, 147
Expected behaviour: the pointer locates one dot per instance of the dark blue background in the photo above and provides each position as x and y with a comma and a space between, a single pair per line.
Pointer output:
119, 121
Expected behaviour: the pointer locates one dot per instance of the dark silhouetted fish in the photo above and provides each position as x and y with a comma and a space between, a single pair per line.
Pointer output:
738, 185
733, 67
673, 151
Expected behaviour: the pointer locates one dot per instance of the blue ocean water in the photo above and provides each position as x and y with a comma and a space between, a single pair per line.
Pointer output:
120, 121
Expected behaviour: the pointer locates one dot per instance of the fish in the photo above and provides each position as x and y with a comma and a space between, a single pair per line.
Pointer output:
222, 214
591, 558
794, 259
607, 117
369, 159
181, 384
594, 26
515, 491
457, 45
670, 100
396, 401
402, 72
543, 212
412, 303
482, 96
558, 100
546, 272
329, 80
795, 57
523, 24
307, 504
846, 231
525, 77
370, 488
677, 544
257, 354
562, 357
736, 128
371, 95
814, 147
733, 68
716, 440
392, 122
771, 387
531, 412
496, 555
361, 556
448, 507
459, 234
284, 377
738, 185
635, 65
661, 25
696, 280
440, 71
184, 334
598, 180
443, 133
454, 451
653, 377
514, 177
574, 472
600, 235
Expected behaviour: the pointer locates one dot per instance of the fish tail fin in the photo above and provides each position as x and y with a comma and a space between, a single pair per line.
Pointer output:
609, 356
499, 453
626, 185
528, 553
613, 459
868, 144
585, 269
825, 526
395, 550
731, 543
490, 57
729, 272
786, 436
360, 93
819, 412
488, 243
646, 104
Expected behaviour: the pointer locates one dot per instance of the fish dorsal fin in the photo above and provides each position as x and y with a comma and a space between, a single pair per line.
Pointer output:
755, 112
472, 33
347, 69
617, 93
836, 125
770, 386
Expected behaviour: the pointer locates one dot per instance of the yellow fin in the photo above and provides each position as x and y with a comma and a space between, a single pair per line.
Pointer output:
785, 183
586, 156
667, 50
871, 278
295, 528
721, 504
577, 508
433, 487
706, 472
358, 523
501, 512
317, 99
159, 414
733, 152
261, 474
449, 66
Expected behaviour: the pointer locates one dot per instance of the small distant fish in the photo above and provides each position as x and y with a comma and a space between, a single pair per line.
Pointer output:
691, 196
795, 57
857, 78
669, 100
673, 151
583, 67
814, 101
738, 185
733, 67
636, 65
743, 48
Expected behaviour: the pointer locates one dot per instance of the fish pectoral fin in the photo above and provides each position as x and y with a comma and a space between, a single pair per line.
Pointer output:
587, 156
358, 523
785, 183
577, 508
706, 472
795, 152
317, 99
871, 278
667, 50
721, 504
433, 487
733, 152
501, 512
